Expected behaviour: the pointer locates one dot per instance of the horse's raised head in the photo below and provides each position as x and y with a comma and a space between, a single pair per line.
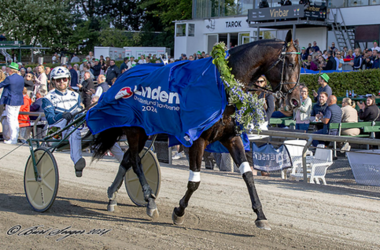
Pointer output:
291, 68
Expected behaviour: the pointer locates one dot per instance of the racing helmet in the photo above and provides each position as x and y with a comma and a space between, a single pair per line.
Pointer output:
58, 73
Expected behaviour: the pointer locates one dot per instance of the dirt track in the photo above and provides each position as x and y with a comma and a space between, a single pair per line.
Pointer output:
302, 216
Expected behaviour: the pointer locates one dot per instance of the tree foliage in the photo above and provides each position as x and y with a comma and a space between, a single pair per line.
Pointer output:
36, 21
75, 25
112, 37
167, 11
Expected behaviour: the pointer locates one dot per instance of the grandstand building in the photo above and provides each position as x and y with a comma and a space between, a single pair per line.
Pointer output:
350, 23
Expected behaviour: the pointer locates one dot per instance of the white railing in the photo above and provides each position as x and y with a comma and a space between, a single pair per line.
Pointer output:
310, 137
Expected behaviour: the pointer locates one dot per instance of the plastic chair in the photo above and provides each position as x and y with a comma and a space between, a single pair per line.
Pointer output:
295, 148
317, 165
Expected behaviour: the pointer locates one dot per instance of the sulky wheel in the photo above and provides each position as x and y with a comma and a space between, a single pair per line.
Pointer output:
151, 168
41, 193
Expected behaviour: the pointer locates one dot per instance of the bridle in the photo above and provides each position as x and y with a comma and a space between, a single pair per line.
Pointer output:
278, 92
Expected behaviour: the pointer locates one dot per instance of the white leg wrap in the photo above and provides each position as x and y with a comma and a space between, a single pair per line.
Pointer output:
244, 167
195, 176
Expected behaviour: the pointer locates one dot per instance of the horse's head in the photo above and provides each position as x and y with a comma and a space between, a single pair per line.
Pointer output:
279, 61
290, 72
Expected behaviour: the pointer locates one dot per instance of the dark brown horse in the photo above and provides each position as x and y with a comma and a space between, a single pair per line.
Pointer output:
279, 61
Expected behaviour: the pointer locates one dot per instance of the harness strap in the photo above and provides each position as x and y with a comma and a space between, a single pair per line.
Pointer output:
277, 92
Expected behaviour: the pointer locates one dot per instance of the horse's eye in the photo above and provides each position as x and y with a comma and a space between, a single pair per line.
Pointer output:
291, 65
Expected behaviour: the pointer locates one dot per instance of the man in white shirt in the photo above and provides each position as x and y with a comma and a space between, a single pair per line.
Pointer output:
54, 59
131, 62
375, 46
90, 56
142, 60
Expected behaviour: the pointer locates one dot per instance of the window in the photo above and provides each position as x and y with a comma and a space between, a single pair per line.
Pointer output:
180, 29
219, 8
191, 29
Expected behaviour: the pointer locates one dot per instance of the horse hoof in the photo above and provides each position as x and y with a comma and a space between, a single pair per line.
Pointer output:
262, 224
152, 213
111, 205
177, 220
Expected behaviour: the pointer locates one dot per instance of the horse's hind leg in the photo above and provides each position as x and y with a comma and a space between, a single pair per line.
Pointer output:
195, 155
136, 139
116, 184
236, 148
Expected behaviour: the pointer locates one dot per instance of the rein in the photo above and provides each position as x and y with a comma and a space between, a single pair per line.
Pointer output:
277, 92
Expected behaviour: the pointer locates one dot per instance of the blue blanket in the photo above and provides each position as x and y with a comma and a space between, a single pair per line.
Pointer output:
181, 99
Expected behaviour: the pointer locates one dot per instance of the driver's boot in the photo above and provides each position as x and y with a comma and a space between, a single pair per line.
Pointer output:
79, 166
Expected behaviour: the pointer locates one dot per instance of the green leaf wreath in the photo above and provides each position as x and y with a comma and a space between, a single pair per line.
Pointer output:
249, 108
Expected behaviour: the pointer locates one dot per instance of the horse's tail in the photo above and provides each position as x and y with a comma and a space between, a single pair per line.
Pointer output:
104, 141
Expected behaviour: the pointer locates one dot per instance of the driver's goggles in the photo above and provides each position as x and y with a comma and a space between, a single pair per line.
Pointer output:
61, 80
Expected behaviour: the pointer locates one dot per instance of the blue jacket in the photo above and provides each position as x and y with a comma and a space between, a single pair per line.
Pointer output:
74, 77
55, 103
376, 63
12, 94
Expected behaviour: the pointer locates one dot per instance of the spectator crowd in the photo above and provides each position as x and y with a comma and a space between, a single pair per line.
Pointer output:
90, 77
332, 59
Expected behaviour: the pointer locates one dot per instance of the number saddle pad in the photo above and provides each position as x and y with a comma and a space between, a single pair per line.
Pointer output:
267, 158
181, 99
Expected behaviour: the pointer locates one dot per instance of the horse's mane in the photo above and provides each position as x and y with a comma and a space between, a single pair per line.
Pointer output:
245, 58
265, 42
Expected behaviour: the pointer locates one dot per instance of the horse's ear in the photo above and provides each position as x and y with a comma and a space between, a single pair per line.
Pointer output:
288, 38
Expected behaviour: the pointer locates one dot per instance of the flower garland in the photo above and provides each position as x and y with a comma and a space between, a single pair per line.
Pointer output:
249, 108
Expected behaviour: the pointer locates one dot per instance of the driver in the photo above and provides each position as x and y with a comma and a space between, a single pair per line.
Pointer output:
59, 106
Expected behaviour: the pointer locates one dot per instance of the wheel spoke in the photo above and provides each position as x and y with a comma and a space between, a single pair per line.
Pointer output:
36, 192
133, 179
48, 172
148, 168
31, 180
47, 185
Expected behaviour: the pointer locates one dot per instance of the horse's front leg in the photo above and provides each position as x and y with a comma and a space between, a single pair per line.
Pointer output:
195, 155
235, 146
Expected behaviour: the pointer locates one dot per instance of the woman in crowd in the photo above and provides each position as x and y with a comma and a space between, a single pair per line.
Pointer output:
107, 64
349, 114
29, 84
269, 99
350, 55
325, 55
268, 110
41, 81
341, 62
314, 62
369, 111
302, 114
22, 72
321, 63
102, 63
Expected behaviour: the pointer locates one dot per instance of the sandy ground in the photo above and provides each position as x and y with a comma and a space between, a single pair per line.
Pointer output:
302, 216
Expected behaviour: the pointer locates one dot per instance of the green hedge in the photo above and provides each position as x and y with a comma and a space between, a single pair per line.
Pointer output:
362, 82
